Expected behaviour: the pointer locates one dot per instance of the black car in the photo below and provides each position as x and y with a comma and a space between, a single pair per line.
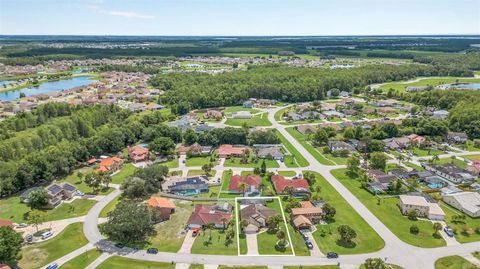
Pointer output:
309, 244
29, 238
119, 245
332, 255
152, 251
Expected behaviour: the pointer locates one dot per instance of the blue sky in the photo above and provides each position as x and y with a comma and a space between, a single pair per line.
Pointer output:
239, 17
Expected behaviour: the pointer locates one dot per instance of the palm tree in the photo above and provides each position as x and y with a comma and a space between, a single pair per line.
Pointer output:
224, 221
210, 227
243, 187
243, 224
400, 158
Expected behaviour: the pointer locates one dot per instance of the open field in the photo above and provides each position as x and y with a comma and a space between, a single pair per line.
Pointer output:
197, 161
389, 213
256, 120
118, 262
453, 262
82, 261
302, 140
298, 158
38, 255
400, 86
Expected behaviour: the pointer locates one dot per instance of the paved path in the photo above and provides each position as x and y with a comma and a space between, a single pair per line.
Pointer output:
315, 251
55, 226
182, 266
99, 260
252, 244
72, 255
187, 242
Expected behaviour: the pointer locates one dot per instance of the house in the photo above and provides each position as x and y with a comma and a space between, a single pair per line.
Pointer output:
57, 193
213, 114
474, 168
424, 208
138, 154
195, 149
154, 106
307, 129
253, 183
467, 202
209, 214
164, 206
328, 106
340, 146
306, 215
417, 138
186, 186
257, 216
265, 102
379, 181
247, 104
6, 222
269, 151
110, 165
417, 88
202, 128
242, 115
457, 137
333, 114
227, 150
451, 172
298, 186
440, 114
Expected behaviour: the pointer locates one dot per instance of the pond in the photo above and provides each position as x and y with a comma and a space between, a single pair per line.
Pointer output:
466, 86
47, 87
5, 82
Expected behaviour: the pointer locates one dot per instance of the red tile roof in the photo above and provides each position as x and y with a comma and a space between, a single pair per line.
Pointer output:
160, 202
227, 150
5, 222
205, 214
251, 180
279, 182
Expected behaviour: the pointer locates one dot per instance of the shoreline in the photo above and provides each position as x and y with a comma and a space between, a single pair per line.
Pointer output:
43, 81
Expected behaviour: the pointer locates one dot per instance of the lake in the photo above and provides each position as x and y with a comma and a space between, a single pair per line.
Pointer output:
467, 86
47, 87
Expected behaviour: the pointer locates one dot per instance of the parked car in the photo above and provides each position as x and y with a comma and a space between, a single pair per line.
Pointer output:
309, 244
46, 235
119, 245
22, 225
152, 251
195, 232
332, 255
448, 231
29, 238
52, 266
79, 193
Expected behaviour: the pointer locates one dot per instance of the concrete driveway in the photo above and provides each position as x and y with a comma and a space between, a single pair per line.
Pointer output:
252, 244
315, 251
187, 242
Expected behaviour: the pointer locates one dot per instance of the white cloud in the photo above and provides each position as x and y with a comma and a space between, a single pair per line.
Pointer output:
126, 14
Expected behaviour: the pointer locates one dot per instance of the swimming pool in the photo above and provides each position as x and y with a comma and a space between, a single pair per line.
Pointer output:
188, 193
435, 185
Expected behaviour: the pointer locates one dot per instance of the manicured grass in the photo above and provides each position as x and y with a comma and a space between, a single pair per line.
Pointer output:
126, 171
232, 109
242, 267
82, 261
389, 213
425, 152
80, 184
462, 236
337, 160
278, 115
414, 166
213, 192
196, 266
287, 173
199, 173
171, 164
472, 157
77, 208
11, 208
267, 241
453, 262
118, 262
302, 162
400, 86
225, 183
327, 237
256, 120
171, 233
235, 162
302, 140
457, 162
476, 255
38, 255
297, 240
216, 246
110, 207
391, 266
197, 161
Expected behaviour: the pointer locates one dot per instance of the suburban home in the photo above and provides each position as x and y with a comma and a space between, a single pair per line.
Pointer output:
417, 138
265, 102
227, 150
6, 222
424, 208
154, 106
57, 193
306, 216
307, 129
164, 206
474, 168
257, 216
253, 183
379, 181
138, 154
209, 214
110, 165
333, 114
335, 126
186, 186
340, 146
417, 88
328, 106
213, 114
195, 149
298, 186
467, 202
242, 115
269, 151
451, 172
457, 137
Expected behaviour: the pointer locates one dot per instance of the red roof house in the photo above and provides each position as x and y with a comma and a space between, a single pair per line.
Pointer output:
227, 150
205, 214
138, 153
163, 205
111, 164
418, 138
299, 186
5, 222
250, 180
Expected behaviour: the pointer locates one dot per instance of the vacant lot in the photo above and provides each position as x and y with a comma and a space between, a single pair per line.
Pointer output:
125, 263
256, 120
298, 159
315, 153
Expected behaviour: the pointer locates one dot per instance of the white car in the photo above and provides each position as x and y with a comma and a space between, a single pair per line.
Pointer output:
46, 235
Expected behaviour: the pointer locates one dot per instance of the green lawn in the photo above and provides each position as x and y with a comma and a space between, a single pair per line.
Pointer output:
313, 267
337, 160
118, 262
216, 246
278, 115
300, 160
235, 162
225, 183
213, 192
256, 120
302, 140
242, 267
232, 109
196, 266
11, 208
472, 157
297, 240
453, 262
400, 86
426, 152
389, 213
40, 254
171, 164
170, 236
200, 173
81, 186
77, 208
457, 162
327, 236
414, 166
462, 236
82, 261
197, 161
126, 171
287, 173
110, 207
266, 240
